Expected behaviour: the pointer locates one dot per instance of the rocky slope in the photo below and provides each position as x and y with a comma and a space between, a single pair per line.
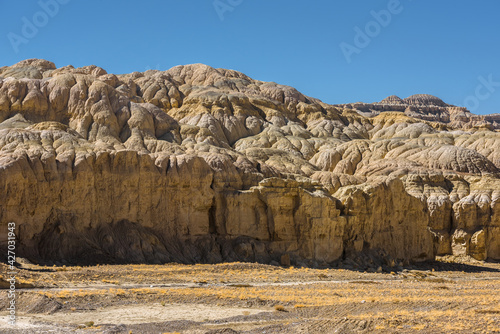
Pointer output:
197, 164
429, 108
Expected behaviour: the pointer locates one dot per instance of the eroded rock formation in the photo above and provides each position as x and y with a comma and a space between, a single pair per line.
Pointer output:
197, 164
429, 108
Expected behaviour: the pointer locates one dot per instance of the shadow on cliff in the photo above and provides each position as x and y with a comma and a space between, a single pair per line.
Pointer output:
437, 266
446, 266
125, 242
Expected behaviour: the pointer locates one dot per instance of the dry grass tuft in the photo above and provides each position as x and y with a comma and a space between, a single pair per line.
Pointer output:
487, 311
435, 280
240, 285
279, 308
365, 282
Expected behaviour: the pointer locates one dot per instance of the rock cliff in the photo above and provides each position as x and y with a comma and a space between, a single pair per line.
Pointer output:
197, 164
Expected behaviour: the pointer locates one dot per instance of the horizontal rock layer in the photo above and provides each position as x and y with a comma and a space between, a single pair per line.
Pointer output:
197, 164
429, 108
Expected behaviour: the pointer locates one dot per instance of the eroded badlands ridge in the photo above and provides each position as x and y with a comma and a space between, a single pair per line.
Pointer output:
197, 164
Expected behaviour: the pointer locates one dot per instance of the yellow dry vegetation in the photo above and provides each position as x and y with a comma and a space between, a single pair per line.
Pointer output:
415, 300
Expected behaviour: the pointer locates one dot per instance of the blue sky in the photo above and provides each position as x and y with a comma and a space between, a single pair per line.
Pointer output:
446, 48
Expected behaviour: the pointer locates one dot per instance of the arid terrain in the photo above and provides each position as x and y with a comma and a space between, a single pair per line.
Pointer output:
200, 200
435, 297
204, 165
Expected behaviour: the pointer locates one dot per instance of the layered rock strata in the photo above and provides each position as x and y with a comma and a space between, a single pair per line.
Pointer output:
429, 108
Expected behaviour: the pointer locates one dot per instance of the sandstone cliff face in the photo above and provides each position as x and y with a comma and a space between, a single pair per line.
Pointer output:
197, 164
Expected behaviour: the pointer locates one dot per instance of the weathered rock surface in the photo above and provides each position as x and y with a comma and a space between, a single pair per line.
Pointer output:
197, 164
429, 108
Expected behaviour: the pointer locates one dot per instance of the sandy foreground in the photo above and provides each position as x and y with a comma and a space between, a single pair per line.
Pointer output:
438, 297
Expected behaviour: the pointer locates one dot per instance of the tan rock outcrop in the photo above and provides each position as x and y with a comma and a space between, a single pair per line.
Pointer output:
197, 164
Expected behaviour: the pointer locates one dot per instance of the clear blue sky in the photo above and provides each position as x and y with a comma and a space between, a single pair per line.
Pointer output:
434, 47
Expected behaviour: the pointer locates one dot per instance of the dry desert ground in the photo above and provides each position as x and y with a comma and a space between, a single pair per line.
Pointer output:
434, 297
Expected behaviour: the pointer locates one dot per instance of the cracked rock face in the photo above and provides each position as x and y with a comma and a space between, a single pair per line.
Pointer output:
197, 164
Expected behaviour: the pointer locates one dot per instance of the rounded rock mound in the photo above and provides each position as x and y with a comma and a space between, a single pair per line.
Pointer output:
38, 63
393, 99
424, 99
